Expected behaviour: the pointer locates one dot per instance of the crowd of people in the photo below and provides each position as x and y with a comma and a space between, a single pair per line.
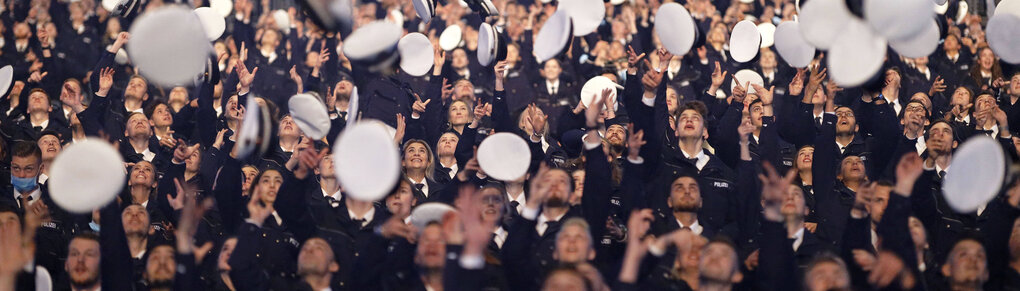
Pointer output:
683, 178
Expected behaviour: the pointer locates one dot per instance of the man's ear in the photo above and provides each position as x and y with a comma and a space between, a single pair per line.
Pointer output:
704, 133
334, 267
955, 143
591, 256
945, 270
145, 96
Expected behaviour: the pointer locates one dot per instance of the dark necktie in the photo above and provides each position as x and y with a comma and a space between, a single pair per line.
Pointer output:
513, 207
942, 174
818, 120
359, 223
693, 161
419, 187
37, 128
332, 201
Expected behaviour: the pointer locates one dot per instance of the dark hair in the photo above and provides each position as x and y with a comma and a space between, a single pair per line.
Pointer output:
255, 180
26, 148
54, 133
695, 105
85, 235
151, 108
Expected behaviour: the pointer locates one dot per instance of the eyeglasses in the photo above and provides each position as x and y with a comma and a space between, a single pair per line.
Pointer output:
845, 114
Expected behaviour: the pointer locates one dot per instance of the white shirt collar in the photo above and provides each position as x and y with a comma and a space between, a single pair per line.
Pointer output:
499, 237
453, 170
148, 155
35, 194
798, 239
695, 227
921, 146
702, 158
44, 124
552, 84
521, 201
425, 188
540, 225
368, 216
336, 195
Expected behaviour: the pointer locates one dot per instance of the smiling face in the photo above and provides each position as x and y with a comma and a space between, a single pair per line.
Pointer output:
416, 156
805, 157
82, 263
142, 174
616, 135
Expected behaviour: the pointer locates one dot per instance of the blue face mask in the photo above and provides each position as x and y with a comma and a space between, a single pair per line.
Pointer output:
23, 184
